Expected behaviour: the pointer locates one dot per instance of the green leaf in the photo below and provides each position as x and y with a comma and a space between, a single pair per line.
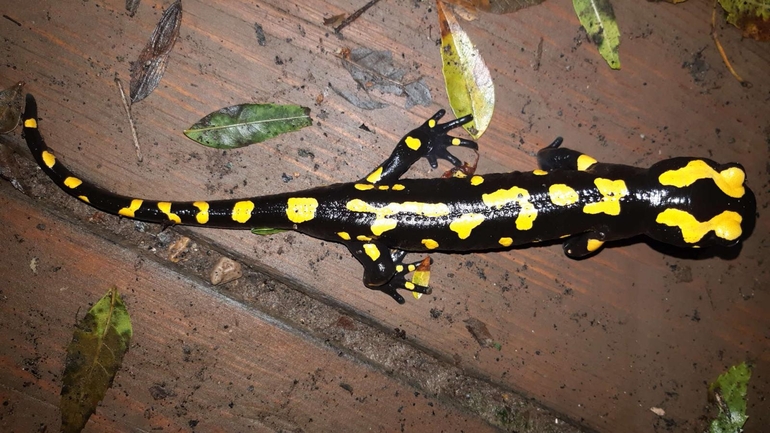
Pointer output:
469, 85
266, 231
10, 107
241, 125
598, 18
93, 357
729, 394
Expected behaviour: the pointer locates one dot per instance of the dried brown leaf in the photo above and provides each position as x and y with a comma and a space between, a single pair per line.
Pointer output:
148, 70
10, 107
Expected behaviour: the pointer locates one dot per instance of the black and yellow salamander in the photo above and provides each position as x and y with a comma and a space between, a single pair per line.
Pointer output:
688, 202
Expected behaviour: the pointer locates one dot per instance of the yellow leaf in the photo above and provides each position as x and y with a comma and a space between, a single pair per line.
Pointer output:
468, 83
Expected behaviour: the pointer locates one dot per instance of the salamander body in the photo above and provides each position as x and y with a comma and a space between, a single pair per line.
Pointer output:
686, 202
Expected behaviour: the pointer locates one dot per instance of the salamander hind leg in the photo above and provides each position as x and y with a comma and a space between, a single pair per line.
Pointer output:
385, 271
430, 141
584, 244
553, 157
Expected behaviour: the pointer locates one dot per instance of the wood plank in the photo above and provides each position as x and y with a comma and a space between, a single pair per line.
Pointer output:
197, 360
599, 341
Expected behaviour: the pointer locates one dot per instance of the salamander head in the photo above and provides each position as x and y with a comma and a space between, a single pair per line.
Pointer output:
705, 203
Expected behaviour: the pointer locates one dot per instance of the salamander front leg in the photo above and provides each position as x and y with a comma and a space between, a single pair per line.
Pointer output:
430, 141
385, 271
553, 157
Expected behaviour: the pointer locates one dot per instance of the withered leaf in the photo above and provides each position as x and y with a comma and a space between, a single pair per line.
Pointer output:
375, 70
131, 6
753, 17
10, 107
94, 356
9, 167
148, 70
496, 6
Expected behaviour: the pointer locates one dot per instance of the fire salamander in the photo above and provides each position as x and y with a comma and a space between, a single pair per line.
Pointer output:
688, 202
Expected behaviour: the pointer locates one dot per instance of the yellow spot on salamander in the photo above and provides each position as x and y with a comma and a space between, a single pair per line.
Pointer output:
301, 209
409, 285
399, 268
398, 187
539, 172
584, 162
203, 212
506, 242
133, 207
612, 192
456, 141
363, 186
726, 225
477, 180
383, 187
374, 176
72, 182
465, 224
165, 207
411, 268
412, 143
381, 225
363, 238
48, 158
562, 195
372, 251
344, 235
594, 244
242, 211
431, 123
29, 123
430, 244
84, 198
501, 197
730, 181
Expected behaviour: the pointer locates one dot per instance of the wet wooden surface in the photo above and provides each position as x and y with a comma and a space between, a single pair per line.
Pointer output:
599, 342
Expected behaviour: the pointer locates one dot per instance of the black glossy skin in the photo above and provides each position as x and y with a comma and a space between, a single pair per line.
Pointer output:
379, 241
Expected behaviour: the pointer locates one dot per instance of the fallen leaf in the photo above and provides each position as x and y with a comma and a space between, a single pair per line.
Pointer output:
131, 6
266, 231
334, 20
728, 392
94, 356
9, 167
479, 331
496, 6
148, 70
598, 19
753, 17
241, 125
375, 70
10, 107
468, 82
421, 276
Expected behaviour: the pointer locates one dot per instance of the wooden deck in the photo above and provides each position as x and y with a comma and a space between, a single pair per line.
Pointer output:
298, 344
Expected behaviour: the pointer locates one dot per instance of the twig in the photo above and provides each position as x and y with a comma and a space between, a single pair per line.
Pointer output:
130, 118
721, 50
354, 16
